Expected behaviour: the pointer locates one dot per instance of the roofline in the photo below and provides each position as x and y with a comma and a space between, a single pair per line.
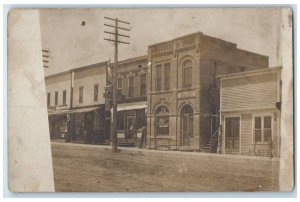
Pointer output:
174, 39
95, 64
249, 73
133, 59
247, 51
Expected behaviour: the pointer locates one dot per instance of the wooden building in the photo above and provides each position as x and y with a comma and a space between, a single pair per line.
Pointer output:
183, 93
250, 112
76, 105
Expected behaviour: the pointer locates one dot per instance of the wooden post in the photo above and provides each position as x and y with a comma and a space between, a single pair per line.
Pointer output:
116, 41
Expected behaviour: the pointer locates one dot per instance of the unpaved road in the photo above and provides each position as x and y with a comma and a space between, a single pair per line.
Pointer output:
91, 168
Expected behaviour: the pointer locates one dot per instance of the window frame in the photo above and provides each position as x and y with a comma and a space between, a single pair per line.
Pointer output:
159, 116
158, 82
262, 116
56, 98
184, 69
167, 80
133, 80
119, 83
80, 94
49, 99
96, 92
143, 90
64, 100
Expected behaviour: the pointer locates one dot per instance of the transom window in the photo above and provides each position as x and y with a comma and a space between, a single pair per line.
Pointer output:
187, 74
262, 128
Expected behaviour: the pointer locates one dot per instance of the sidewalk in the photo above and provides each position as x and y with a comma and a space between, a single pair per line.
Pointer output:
149, 151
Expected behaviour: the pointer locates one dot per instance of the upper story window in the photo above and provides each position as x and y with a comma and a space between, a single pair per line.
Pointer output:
96, 87
81, 94
167, 76
143, 84
130, 86
158, 77
262, 129
48, 99
56, 98
119, 83
187, 74
64, 101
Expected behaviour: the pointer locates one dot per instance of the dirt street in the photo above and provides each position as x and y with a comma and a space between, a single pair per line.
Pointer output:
93, 168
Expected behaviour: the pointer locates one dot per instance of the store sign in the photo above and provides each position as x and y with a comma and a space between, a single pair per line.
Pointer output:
162, 125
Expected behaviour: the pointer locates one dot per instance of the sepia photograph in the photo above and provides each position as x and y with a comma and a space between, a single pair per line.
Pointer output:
150, 99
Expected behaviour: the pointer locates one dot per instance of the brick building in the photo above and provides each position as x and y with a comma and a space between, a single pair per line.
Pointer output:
132, 99
183, 93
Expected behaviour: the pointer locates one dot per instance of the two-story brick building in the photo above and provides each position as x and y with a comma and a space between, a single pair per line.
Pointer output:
132, 98
183, 93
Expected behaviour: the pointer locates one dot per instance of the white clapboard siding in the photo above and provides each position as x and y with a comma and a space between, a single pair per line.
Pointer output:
246, 133
249, 92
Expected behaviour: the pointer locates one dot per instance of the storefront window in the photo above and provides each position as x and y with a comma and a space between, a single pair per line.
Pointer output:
162, 121
120, 121
98, 124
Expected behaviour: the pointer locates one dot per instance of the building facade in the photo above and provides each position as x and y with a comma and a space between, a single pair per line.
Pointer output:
132, 99
250, 112
183, 93
76, 105
58, 88
172, 94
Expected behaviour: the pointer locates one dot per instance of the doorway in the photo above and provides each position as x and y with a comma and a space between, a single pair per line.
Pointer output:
232, 134
186, 125
130, 127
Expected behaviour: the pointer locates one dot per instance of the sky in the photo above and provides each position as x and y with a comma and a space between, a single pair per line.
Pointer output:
73, 45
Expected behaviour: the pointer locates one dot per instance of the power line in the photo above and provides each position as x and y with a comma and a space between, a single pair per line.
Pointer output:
116, 41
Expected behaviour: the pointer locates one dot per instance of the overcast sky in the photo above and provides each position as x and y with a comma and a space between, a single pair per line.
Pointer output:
72, 45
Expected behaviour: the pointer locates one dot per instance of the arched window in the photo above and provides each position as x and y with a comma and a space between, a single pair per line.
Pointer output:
187, 74
162, 120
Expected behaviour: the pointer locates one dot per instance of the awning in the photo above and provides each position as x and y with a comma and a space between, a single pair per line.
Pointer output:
132, 106
58, 112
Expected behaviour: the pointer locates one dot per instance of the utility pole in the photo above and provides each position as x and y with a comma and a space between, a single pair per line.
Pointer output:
45, 54
116, 41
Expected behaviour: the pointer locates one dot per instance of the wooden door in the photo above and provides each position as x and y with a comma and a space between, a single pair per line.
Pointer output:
232, 134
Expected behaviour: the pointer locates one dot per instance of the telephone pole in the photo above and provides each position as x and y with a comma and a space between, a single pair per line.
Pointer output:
116, 41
